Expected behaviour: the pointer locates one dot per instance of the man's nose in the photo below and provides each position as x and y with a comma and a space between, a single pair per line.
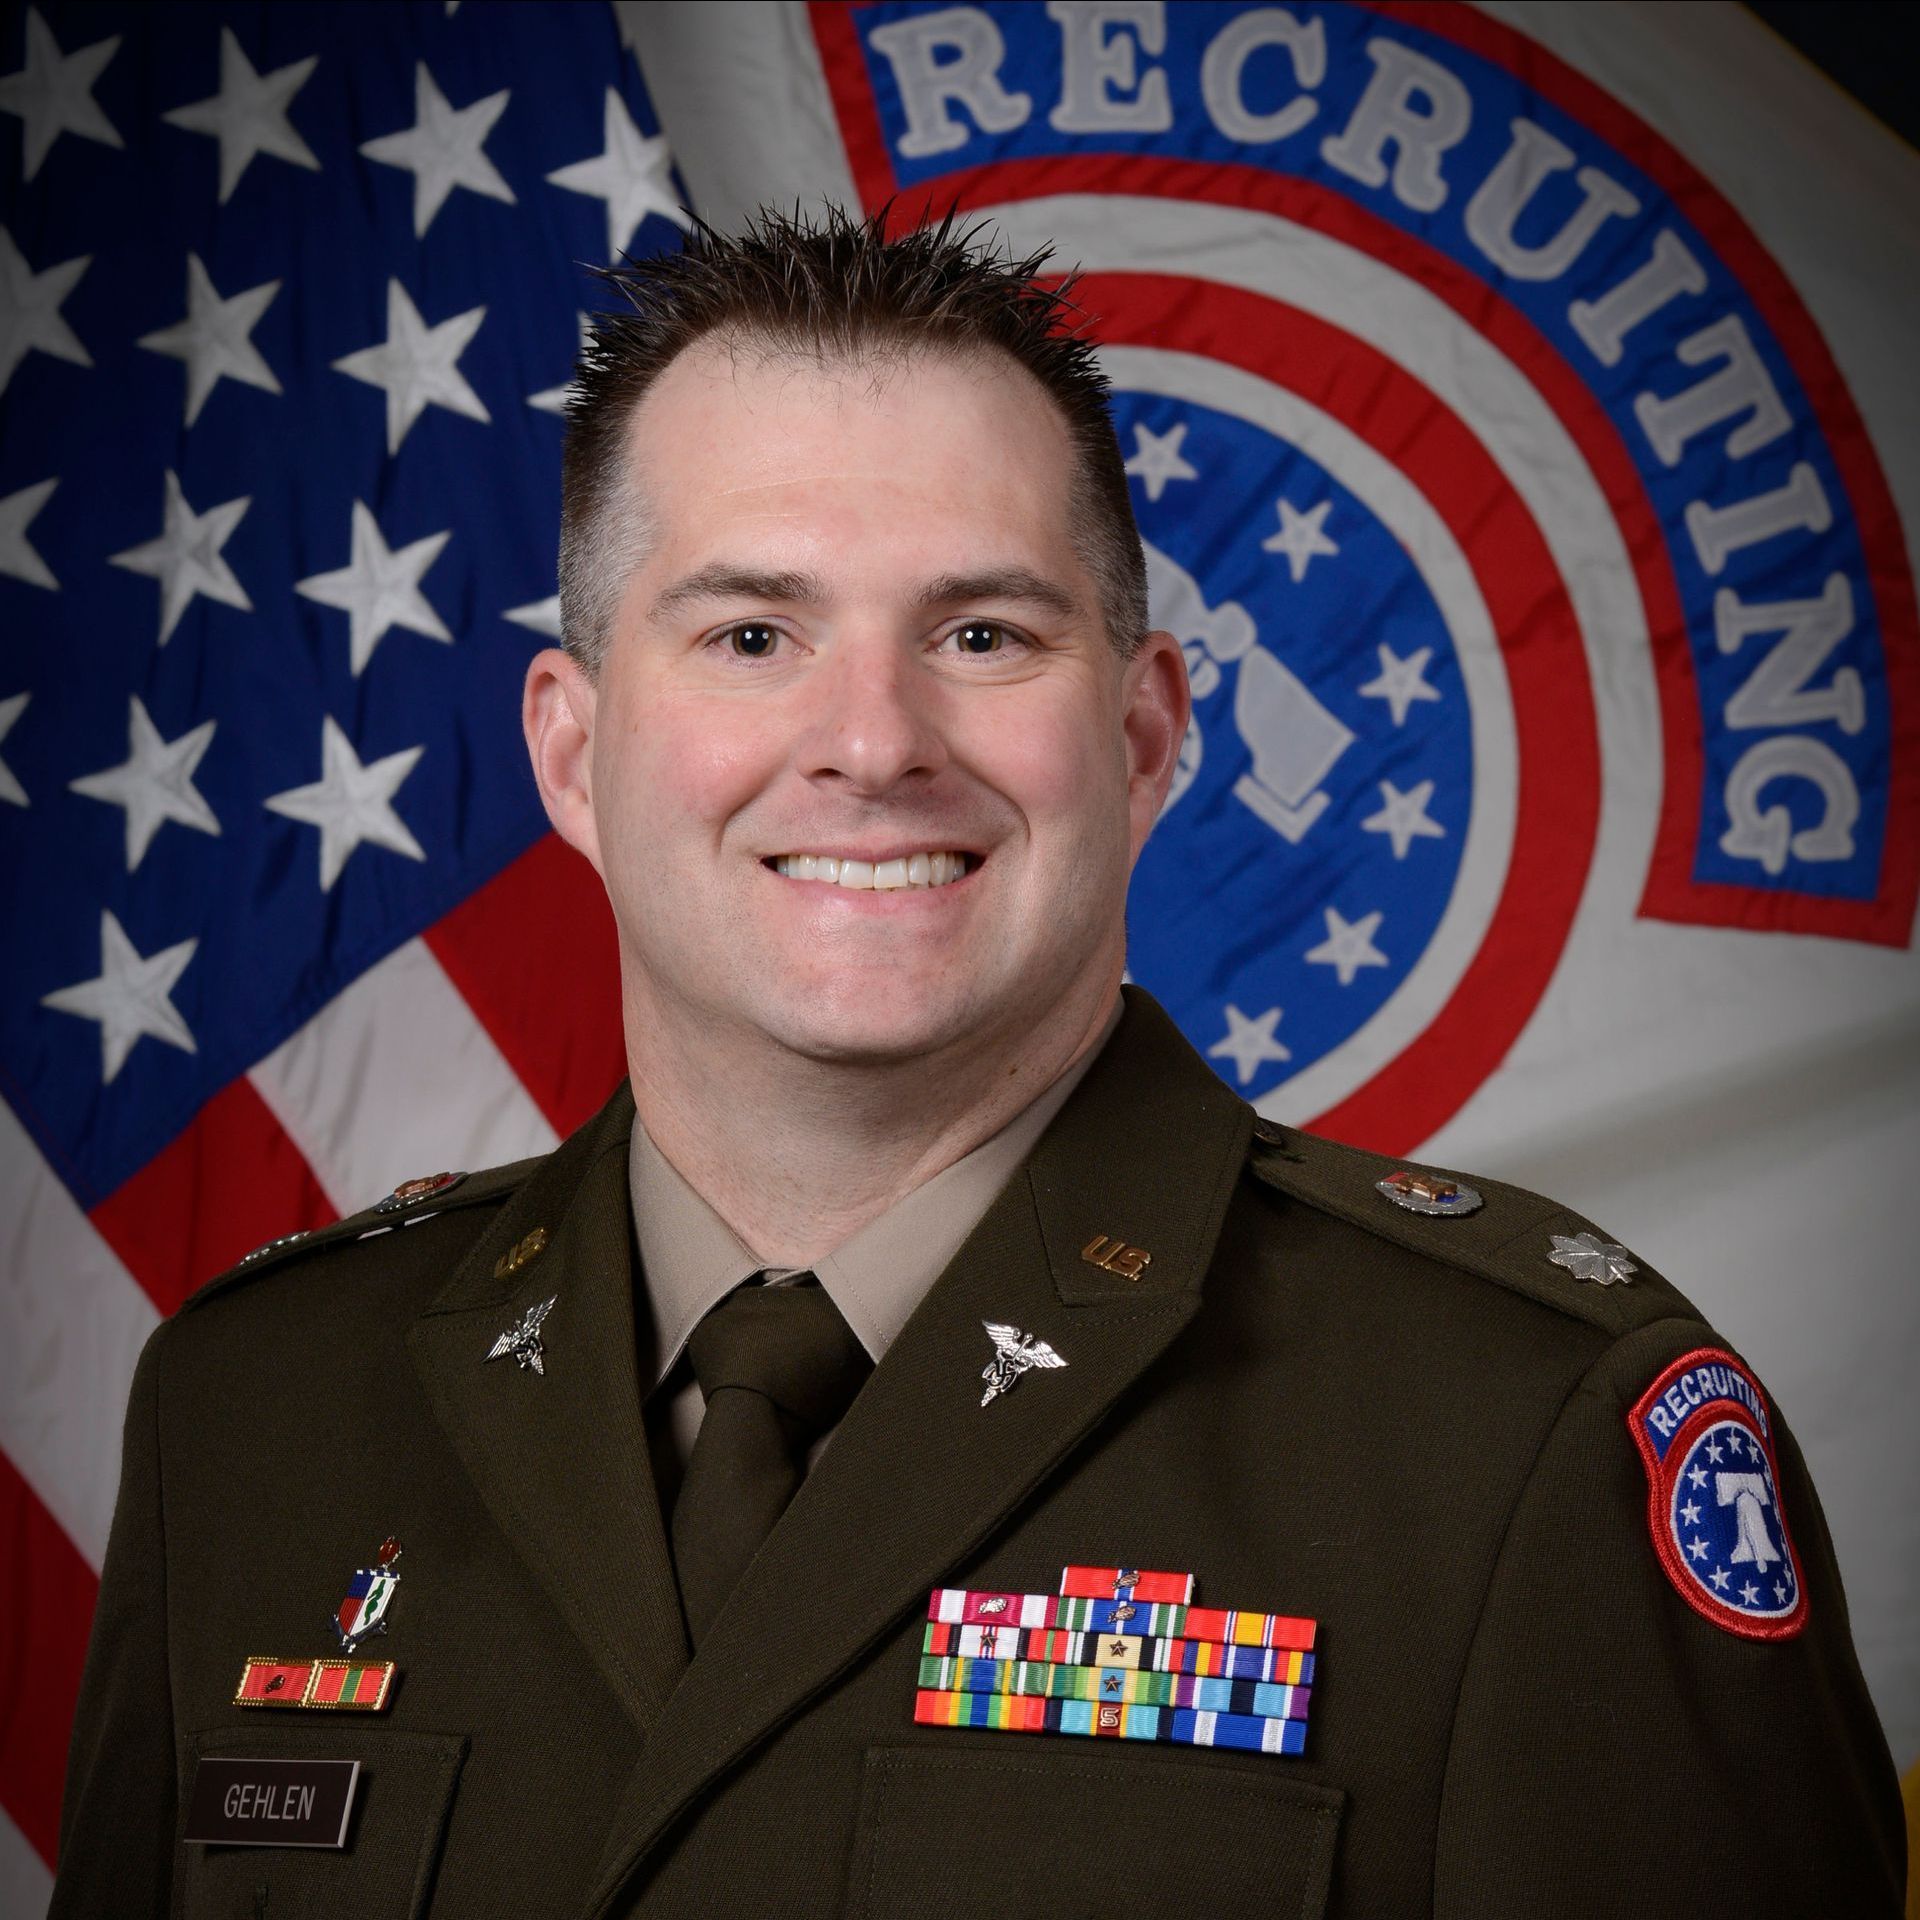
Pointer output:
874, 716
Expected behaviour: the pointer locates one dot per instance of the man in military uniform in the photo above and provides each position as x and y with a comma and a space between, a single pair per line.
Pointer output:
917, 1263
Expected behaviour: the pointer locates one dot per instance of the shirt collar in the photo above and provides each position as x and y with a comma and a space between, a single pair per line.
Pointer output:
690, 1259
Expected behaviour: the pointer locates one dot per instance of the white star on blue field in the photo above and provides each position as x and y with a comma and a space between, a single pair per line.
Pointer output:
1318, 825
289, 297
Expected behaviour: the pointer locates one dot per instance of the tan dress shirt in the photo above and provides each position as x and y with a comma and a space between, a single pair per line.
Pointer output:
690, 1259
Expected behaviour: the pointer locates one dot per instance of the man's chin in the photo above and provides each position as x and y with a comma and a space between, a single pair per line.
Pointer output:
873, 1029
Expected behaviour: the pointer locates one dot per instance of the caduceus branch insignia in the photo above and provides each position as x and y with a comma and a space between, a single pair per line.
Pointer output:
1013, 1353
522, 1340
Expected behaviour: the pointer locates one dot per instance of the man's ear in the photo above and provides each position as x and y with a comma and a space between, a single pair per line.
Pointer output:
556, 714
1156, 703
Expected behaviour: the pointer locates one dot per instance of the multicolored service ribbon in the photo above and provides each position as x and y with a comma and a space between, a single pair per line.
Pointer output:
1117, 1653
353, 1686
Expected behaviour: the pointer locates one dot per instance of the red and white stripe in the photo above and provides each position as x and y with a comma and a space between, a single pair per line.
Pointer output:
483, 1041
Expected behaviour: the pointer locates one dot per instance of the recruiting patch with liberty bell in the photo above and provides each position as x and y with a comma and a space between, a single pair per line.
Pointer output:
1713, 1502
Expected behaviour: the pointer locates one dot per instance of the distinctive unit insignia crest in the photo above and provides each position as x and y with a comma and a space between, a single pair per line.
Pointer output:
370, 1598
1431, 1193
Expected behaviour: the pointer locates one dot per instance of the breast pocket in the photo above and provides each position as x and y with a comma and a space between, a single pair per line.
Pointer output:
394, 1832
1055, 1836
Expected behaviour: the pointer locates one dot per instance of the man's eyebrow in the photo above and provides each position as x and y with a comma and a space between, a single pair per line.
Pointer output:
723, 581
999, 583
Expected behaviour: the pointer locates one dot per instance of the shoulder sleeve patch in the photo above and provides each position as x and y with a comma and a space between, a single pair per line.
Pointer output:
1713, 1496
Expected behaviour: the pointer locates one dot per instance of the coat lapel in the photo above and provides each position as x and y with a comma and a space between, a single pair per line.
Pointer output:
919, 1474
561, 1457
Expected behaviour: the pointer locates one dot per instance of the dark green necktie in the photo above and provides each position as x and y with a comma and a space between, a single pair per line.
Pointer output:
778, 1367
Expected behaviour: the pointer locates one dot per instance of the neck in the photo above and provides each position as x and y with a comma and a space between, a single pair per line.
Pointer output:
797, 1155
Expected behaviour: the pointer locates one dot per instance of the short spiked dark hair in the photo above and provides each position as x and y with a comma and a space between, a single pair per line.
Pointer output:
838, 288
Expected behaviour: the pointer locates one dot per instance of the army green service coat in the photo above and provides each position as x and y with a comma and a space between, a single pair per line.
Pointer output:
1411, 1430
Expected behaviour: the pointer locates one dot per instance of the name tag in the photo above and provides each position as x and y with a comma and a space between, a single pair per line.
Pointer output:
271, 1803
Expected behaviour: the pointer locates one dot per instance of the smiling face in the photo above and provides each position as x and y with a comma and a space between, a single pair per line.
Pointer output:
861, 770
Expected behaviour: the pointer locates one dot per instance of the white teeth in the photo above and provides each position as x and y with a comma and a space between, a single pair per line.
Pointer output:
910, 870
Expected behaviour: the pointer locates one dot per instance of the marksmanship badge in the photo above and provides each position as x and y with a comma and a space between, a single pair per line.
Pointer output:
1713, 1504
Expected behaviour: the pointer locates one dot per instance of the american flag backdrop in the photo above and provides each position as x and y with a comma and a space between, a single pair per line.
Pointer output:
289, 298
1519, 410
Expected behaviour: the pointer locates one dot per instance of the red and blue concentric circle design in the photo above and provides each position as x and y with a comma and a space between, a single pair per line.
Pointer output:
1533, 565
1704, 1432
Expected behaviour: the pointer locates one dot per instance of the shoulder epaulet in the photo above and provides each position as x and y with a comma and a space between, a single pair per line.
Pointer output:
410, 1200
1519, 1240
